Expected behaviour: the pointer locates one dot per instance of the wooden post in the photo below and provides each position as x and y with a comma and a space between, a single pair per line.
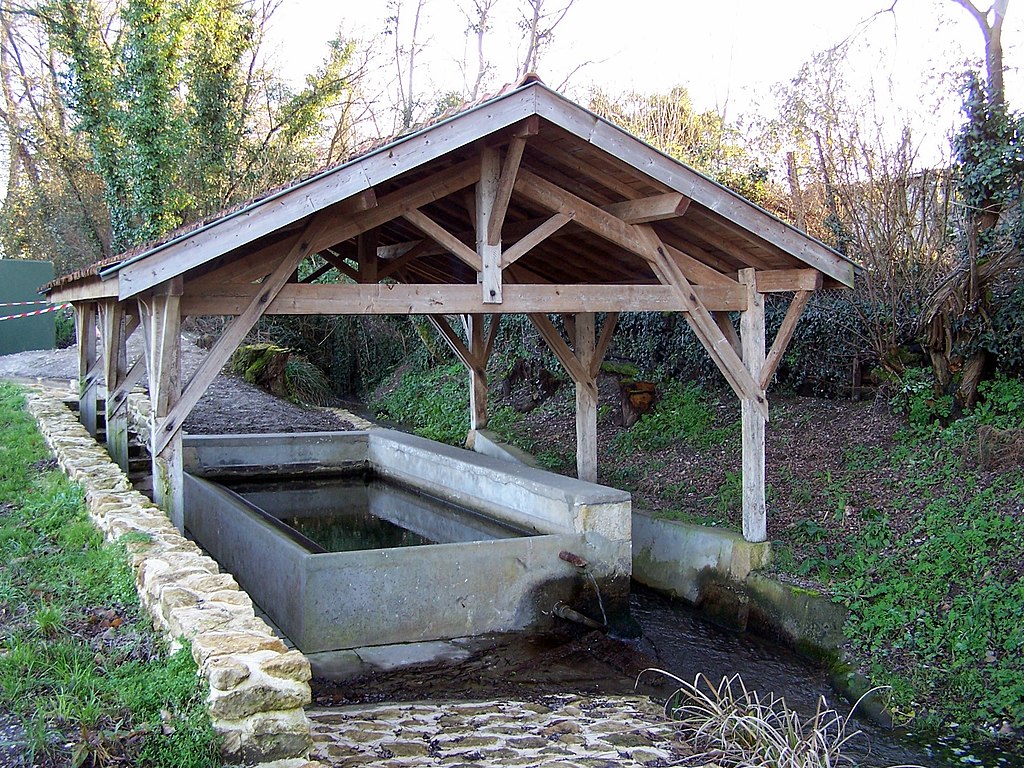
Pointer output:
477, 371
161, 320
753, 421
88, 373
366, 251
115, 371
586, 401
487, 249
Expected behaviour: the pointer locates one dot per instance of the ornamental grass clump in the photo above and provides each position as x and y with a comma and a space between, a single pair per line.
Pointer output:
730, 726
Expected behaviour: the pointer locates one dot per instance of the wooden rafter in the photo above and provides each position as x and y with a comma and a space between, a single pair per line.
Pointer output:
443, 237
503, 193
297, 249
784, 335
535, 238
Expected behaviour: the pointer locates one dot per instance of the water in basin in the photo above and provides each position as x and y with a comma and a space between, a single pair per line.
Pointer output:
346, 514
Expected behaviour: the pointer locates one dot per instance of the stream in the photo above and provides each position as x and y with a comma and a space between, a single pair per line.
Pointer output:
676, 639
686, 644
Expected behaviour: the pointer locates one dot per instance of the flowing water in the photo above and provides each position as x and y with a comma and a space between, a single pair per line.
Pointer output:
686, 645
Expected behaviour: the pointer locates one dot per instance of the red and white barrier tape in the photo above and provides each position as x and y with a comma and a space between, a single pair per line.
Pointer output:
22, 303
54, 308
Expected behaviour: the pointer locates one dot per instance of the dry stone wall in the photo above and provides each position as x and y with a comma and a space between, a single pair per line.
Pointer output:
257, 687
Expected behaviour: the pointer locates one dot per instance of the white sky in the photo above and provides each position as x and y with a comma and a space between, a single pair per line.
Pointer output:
727, 53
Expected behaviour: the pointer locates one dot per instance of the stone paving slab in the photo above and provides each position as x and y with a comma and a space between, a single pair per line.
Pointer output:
563, 731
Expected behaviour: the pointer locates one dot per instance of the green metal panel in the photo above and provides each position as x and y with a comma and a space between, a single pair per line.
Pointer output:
21, 280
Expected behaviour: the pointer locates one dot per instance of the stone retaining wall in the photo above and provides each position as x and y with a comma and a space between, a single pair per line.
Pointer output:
257, 687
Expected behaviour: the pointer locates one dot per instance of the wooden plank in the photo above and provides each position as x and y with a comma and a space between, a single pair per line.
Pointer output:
442, 236
657, 208
584, 169
232, 336
664, 169
86, 289
316, 274
503, 193
586, 400
560, 349
731, 249
785, 334
487, 249
607, 331
88, 379
755, 526
535, 238
318, 193
492, 335
446, 299
784, 280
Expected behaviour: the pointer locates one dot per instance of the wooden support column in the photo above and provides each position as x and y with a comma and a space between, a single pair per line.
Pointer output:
488, 242
478, 348
753, 419
88, 367
586, 401
115, 371
582, 364
161, 321
474, 356
366, 249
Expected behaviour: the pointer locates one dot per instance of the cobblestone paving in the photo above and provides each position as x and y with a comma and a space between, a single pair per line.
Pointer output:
562, 731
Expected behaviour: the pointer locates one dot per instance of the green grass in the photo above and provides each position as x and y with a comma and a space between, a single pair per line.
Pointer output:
433, 403
935, 600
683, 412
83, 693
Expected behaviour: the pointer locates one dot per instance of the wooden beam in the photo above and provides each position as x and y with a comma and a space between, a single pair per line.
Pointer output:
535, 238
85, 329
703, 325
586, 400
232, 336
755, 526
657, 208
488, 249
724, 323
785, 334
560, 349
86, 289
318, 273
588, 216
447, 299
478, 416
394, 265
115, 365
338, 262
161, 320
784, 280
366, 250
442, 236
452, 339
492, 335
697, 271
607, 330
503, 193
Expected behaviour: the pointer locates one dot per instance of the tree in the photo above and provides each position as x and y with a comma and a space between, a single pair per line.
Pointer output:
958, 329
130, 118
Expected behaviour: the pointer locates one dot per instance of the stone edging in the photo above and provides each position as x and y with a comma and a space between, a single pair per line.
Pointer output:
257, 687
